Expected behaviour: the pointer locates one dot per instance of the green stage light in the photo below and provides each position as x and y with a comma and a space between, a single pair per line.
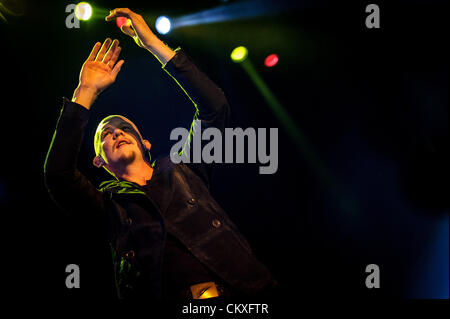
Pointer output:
239, 54
324, 175
83, 11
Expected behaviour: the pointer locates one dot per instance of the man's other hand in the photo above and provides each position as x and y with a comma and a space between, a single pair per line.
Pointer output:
99, 71
137, 28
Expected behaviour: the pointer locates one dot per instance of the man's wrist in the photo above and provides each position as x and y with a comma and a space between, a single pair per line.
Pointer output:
151, 42
85, 96
160, 50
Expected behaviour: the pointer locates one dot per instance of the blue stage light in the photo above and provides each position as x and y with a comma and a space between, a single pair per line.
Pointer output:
163, 25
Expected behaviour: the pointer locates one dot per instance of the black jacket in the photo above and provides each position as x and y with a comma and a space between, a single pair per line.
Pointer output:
179, 201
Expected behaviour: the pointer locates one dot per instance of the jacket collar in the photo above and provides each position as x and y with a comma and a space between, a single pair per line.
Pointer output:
122, 186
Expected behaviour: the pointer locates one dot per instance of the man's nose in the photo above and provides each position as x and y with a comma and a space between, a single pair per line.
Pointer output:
117, 132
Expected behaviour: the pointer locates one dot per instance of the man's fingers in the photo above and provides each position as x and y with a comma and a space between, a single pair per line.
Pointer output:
94, 52
128, 30
103, 50
114, 57
111, 51
119, 12
117, 68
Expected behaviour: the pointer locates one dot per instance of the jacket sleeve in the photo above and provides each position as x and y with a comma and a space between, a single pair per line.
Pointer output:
210, 103
68, 187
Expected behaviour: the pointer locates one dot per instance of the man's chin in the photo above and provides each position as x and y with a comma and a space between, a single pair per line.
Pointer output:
127, 159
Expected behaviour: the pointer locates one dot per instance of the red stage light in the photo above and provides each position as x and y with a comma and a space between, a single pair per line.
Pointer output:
271, 60
120, 21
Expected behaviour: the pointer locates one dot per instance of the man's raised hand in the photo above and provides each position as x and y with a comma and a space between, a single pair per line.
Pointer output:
98, 72
100, 69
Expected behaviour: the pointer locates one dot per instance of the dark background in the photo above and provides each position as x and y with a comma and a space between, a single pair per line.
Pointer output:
372, 103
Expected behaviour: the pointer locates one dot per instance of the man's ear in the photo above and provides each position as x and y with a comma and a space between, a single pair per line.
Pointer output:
98, 161
147, 145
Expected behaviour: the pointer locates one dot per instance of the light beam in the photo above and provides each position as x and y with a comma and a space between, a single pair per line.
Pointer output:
235, 11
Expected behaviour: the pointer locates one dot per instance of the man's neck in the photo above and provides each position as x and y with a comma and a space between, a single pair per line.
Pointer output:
138, 173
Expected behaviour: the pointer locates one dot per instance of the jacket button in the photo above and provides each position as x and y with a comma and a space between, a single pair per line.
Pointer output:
191, 201
129, 254
216, 223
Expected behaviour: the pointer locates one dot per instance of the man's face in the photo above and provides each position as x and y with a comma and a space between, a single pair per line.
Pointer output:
118, 141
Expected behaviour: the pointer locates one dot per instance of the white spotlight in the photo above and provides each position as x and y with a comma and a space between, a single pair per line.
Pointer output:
162, 25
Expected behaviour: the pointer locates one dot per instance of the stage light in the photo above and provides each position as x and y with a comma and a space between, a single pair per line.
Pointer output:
120, 21
239, 54
83, 11
162, 25
346, 201
237, 10
271, 60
